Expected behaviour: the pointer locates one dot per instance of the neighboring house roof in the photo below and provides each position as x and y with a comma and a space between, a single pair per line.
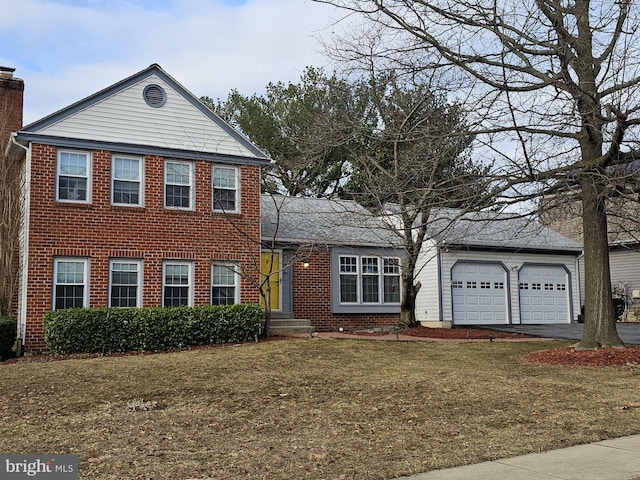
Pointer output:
313, 221
147, 113
320, 221
498, 231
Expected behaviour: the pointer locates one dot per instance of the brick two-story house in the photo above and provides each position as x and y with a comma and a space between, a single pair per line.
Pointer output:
136, 196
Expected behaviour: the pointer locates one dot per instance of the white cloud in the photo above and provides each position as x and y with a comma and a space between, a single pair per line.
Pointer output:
66, 50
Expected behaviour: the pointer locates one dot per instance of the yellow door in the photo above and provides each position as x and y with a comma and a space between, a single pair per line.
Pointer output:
270, 267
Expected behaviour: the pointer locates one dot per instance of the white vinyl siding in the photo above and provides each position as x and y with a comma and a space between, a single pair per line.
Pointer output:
125, 118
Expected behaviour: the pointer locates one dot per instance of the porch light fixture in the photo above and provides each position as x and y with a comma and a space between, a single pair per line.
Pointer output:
305, 264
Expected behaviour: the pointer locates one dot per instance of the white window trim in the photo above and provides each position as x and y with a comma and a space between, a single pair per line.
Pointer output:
236, 278
385, 275
192, 188
191, 278
89, 176
350, 274
237, 189
140, 182
85, 262
140, 273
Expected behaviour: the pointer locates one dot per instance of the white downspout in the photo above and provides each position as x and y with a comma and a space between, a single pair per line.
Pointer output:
24, 248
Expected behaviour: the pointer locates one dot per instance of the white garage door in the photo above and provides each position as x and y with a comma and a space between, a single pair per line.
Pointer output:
479, 293
544, 294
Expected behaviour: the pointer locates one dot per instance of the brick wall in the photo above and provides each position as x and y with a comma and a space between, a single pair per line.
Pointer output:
100, 231
312, 298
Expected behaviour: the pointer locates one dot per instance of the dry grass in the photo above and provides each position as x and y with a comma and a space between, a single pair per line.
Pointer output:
309, 409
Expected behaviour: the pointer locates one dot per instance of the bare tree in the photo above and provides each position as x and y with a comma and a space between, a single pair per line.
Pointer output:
414, 162
10, 214
560, 78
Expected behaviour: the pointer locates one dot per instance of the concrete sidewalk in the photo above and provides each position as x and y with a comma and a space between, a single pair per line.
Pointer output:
617, 459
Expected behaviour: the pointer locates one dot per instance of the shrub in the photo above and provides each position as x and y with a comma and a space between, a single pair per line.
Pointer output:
104, 330
7, 336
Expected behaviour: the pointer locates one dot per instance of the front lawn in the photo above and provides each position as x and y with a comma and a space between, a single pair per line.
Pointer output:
309, 409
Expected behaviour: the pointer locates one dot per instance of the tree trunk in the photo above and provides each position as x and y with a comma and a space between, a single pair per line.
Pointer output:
600, 320
409, 294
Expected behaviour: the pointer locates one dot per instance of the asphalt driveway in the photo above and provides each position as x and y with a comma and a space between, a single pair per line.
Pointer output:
629, 332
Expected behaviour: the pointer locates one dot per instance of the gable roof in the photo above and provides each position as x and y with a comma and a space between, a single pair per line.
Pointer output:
321, 221
126, 117
498, 231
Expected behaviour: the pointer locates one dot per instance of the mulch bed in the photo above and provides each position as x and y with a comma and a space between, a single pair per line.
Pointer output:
459, 333
603, 357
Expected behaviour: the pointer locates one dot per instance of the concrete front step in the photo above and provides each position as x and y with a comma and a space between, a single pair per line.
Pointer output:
282, 326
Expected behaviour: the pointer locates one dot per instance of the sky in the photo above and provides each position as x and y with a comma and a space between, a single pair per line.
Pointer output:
66, 50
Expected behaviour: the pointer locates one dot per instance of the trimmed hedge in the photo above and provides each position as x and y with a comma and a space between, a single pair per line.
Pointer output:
8, 331
106, 330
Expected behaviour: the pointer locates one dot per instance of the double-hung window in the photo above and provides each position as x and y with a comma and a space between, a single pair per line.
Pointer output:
391, 280
125, 283
224, 284
225, 189
73, 176
126, 181
348, 279
369, 280
177, 283
179, 184
70, 283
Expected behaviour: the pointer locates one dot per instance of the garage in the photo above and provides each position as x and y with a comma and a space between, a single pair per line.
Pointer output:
479, 293
544, 294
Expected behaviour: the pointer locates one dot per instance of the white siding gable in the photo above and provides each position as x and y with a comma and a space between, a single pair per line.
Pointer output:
428, 299
125, 117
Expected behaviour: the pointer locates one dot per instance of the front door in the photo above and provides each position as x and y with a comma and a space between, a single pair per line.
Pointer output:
270, 269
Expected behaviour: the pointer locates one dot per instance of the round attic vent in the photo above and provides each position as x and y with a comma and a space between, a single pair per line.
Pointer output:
154, 95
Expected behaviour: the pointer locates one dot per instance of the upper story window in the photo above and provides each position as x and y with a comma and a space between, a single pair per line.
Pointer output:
125, 283
126, 181
70, 283
178, 184
225, 189
73, 176
177, 283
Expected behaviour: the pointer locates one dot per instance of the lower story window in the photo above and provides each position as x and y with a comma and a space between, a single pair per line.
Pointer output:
71, 280
369, 280
177, 284
125, 278
224, 284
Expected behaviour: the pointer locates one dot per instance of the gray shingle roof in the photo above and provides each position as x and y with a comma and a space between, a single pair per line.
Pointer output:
322, 221
499, 231
315, 221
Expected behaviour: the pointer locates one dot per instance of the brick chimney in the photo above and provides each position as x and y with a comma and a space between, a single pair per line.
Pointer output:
11, 104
